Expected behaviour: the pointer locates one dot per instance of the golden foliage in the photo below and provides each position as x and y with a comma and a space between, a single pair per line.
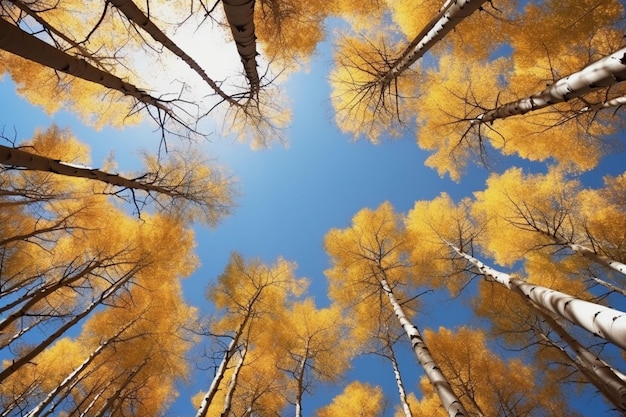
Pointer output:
357, 399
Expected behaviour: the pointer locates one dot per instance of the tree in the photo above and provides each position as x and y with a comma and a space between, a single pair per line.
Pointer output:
490, 385
27, 46
173, 183
369, 263
247, 292
549, 210
310, 347
574, 139
440, 220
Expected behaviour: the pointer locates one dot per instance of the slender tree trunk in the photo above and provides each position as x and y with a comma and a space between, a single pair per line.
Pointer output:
135, 15
109, 405
450, 15
449, 399
26, 358
601, 74
221, 370
54, 31
18, 42
15, 157
42, 293
609, 286
608, 323
300, 380
39, 408
396, 371
228, 398
587, 253
240, 16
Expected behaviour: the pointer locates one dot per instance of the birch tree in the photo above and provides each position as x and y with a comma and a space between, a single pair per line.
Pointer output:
437, 221
553, 211
247, 291
311, 348
27, 46
455, 132
366, 79
177, 182
369, 263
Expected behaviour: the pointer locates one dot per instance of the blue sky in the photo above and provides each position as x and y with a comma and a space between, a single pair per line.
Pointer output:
292, 196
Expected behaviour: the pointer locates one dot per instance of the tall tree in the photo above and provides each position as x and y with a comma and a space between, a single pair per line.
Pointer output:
369, 264
310, 347
173, 182
247, 292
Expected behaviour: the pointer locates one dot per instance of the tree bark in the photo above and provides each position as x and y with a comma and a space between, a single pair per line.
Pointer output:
135, 15
605, 322
39, 408
601, 74
18, 158
26, 358
18, 42
240, 16
449, 399
599, 373
450, 15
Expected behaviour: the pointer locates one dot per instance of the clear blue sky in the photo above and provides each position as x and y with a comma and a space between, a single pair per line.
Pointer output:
291, 197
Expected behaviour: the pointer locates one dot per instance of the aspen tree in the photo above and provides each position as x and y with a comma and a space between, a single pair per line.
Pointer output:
205, 190
369, 262
18, 42
246, 291
310, 347
368, 90
432, 223
550, 210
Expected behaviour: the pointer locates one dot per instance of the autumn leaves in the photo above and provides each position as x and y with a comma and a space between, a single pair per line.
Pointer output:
459, 101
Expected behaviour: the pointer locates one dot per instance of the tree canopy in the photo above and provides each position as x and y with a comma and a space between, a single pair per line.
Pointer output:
140, 275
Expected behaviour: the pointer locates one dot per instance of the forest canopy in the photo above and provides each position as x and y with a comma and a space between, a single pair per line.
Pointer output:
286, 208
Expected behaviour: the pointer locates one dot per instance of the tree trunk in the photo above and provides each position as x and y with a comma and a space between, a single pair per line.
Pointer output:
26, 358
450, 15
43, 293
39, 408
18, 42
135, 15
15, 157
54, 31
608, 323
449, 400
240, 16
396, 371
228, 398
600, 373
221, 370
601, 74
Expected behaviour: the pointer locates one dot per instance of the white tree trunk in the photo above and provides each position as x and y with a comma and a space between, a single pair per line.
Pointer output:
228, 398
31, 354
18, 42
449, 399
601, 74
39, 408
396, 371
605, 322
601, 374
450, 15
